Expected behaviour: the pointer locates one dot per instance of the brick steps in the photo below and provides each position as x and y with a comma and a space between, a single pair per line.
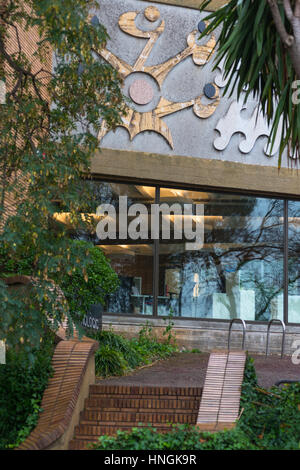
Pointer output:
143, 410
81, 441
138, 396
141, 390
110, 408
136, 416
79, 444
143, 418
140, 403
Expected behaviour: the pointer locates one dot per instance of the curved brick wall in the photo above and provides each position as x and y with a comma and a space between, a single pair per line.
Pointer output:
73, 363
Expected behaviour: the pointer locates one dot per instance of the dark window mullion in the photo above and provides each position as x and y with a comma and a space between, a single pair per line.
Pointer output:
156, 263
285, 262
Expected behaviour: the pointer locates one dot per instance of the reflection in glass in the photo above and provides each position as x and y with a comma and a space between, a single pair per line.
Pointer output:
134, 266
294, 261
132, 261
238, 273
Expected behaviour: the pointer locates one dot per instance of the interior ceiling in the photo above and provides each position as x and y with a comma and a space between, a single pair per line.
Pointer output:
146, 194
139, 191
146, 250
165, 248
180, 195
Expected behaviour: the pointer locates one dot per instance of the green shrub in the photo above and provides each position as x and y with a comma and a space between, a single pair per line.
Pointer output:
125, 347
271, 418
22, 384
84, 289
181, 437
153, 349
118, 355
108, 361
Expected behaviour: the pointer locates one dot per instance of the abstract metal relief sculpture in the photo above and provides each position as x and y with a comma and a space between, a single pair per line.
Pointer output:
252, 128
141, 91
233, 122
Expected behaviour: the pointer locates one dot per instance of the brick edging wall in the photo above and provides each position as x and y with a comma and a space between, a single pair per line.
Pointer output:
70, 363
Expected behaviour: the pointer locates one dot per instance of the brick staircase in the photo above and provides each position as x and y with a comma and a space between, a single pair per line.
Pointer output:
113, 407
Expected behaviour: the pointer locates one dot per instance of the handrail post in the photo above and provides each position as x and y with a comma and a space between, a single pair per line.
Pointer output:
244, 331
283, 335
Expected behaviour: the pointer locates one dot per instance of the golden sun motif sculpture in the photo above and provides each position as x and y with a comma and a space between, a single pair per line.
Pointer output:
141, 91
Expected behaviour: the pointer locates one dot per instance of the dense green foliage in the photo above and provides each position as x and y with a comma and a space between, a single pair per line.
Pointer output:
182, 437
22, 385
83, 290
259, 62
12, 265
270, 421
117, 355
80, 289
48, 135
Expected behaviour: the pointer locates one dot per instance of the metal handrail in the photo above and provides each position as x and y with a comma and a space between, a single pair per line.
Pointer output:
244, 331
283, 335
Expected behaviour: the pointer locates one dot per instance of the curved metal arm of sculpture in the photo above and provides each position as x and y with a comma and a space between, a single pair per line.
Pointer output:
200, 54
204, 111
120, 65
201, 110
136, 122
127, 24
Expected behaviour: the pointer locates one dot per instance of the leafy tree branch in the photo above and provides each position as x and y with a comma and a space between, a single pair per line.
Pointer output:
48, 130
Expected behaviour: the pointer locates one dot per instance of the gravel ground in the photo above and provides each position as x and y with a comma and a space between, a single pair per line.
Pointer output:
188, 370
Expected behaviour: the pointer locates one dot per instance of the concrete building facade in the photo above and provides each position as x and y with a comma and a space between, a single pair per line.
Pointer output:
184, 142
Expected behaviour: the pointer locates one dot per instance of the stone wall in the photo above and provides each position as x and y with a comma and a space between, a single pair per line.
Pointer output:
209, 335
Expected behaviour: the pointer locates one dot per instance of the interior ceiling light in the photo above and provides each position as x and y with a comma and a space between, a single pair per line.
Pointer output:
146, 191
64, 217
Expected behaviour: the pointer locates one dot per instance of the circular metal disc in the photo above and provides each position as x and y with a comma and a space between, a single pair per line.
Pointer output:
141, 92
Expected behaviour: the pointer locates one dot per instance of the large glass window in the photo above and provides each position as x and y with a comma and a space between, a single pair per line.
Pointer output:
294, 261
245, 265
238, 272
131, 259
134, 265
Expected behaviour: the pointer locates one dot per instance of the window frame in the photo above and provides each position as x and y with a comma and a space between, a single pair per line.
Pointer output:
156, 243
